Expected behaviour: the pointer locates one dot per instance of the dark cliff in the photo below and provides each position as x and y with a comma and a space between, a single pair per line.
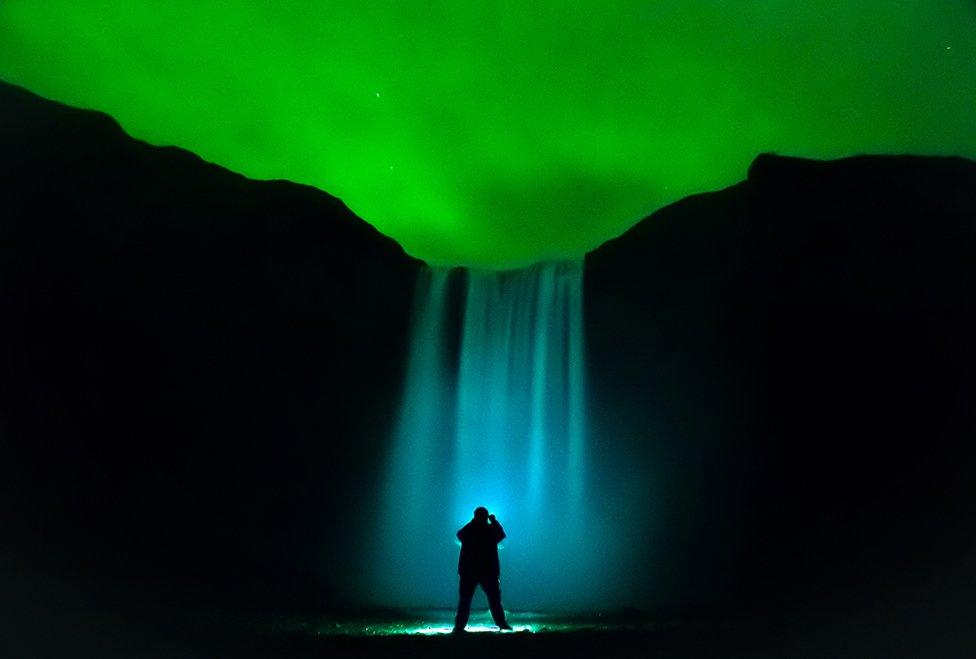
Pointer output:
793, 360
196, 367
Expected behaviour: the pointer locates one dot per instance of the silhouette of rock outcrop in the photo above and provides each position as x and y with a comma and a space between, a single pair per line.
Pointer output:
792, 358
197, 369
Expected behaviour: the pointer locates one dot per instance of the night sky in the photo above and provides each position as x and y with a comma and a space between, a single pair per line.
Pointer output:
497, 134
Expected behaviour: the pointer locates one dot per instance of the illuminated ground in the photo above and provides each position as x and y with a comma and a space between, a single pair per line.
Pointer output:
426, 633
148, 624
437, 622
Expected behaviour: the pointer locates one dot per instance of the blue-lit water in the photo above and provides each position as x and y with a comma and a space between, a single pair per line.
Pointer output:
493, 414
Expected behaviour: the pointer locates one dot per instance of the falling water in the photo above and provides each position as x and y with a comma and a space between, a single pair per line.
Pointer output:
493, 416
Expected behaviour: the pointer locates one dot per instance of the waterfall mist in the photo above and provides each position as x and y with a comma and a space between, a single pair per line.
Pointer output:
494, 414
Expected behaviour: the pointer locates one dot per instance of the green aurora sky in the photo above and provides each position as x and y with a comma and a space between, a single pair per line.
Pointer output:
500, 133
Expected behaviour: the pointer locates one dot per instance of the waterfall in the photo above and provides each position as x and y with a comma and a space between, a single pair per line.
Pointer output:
493, 414
519, 437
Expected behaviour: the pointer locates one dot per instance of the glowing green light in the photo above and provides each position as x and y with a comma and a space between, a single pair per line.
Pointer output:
507, 132
470, 629
437, 623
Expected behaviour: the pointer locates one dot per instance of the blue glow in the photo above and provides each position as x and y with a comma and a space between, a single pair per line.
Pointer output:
502, 426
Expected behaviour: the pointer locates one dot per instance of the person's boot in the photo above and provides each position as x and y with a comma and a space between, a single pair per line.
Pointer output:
504, 626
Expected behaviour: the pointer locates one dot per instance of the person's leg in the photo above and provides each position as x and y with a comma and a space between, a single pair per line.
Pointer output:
494, 593
465, 593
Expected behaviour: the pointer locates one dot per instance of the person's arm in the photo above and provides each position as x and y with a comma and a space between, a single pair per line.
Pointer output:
499, 531
462, 532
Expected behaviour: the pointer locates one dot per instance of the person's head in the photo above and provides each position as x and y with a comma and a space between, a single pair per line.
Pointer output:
481, 514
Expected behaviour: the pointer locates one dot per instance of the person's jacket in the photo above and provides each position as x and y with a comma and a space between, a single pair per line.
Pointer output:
479, 548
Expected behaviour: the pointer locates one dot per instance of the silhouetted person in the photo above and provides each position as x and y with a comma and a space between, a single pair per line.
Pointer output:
478, 565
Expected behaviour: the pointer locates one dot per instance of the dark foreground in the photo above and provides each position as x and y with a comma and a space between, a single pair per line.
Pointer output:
185, 634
